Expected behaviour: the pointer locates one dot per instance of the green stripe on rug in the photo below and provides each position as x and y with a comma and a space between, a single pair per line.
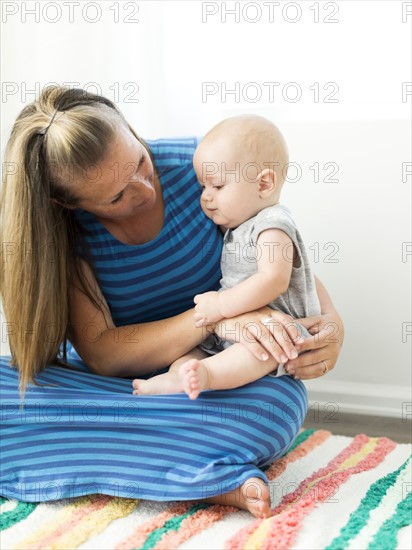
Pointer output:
386, 537
172, 524
359, 518
303, 436
22, 511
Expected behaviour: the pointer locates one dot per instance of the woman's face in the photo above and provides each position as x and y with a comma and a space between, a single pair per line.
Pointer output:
121, 186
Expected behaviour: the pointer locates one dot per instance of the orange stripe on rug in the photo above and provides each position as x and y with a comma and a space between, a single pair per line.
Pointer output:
139, 536
316, 439
96, 522
71, 514
194, 525
281, 531
78, 521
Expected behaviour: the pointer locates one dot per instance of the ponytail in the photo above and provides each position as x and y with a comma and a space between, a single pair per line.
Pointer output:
64, 129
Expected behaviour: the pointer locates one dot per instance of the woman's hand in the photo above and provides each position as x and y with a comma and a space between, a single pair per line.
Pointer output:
322, 349
264, 332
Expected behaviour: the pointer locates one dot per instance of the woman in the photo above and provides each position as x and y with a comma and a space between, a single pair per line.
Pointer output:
104, 247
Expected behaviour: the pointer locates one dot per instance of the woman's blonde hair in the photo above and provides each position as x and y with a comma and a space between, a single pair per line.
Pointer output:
55, 137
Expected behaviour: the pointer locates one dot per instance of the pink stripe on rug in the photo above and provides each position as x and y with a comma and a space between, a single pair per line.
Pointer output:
284, 527
383, 447
237, 541
357, 444
316, 439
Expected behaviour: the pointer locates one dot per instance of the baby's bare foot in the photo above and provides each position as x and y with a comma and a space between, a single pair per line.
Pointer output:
168, 382
253, 496
194, 377
140, 387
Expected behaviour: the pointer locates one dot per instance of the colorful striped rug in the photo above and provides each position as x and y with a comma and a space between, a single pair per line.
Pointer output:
329, 491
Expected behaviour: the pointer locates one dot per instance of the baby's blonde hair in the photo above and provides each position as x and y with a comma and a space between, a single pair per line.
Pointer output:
262, 141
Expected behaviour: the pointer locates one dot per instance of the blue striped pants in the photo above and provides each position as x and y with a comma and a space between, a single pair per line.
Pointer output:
78, 433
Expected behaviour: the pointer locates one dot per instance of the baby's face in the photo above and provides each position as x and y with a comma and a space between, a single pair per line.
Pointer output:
230, 190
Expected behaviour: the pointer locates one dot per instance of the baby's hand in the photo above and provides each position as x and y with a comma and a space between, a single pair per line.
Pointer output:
207, 308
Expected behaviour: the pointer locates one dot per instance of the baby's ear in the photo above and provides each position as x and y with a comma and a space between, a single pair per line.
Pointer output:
267, 182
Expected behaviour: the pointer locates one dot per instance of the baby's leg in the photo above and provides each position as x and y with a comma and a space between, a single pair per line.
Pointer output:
170, 381
231, 368
195, 353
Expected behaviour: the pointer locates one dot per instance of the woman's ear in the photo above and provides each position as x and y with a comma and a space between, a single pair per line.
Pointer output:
267, 182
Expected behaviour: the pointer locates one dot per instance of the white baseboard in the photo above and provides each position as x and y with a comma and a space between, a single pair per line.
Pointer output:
360, 398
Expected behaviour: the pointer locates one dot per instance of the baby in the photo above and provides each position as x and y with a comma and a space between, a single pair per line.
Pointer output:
240, 165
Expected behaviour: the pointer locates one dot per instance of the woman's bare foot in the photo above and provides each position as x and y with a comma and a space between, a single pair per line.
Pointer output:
194, 377
169, 382
253, 496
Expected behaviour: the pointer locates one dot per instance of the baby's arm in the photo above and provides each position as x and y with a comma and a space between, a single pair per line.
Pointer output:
274, 268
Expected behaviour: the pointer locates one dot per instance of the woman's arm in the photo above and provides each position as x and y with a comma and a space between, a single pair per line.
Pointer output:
324, 346
130, 350
139, 349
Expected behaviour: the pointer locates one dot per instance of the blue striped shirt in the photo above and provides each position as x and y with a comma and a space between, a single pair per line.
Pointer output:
186, 252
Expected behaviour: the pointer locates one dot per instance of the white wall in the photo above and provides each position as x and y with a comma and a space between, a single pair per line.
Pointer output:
362, 219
